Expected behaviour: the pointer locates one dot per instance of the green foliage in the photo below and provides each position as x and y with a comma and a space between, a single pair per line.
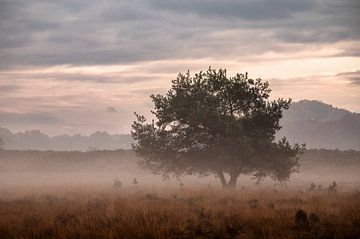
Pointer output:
212, 123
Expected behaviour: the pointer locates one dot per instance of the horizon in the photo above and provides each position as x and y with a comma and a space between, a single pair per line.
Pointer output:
129, 133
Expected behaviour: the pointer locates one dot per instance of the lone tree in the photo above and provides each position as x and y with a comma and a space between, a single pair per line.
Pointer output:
210, 123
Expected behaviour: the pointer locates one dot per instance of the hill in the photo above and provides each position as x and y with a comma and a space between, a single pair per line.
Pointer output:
320, 125
313, 110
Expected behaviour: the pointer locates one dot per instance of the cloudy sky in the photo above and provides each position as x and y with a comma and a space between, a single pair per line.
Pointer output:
80, 66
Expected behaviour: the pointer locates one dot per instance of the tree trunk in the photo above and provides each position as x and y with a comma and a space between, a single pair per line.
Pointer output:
222, 179
232, 181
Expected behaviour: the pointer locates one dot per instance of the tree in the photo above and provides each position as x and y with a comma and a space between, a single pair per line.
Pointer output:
210, 123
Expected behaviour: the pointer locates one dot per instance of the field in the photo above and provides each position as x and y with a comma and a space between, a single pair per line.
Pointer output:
71, 195
136, 212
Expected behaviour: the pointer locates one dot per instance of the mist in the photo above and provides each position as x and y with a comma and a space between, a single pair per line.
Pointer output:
31, 170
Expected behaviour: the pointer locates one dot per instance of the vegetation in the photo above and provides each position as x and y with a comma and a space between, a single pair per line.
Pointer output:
121, 208
212, 123
37, 140
188, 213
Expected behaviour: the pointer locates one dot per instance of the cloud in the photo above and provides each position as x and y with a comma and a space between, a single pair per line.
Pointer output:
66, 106
351, 76
111, 109
247, 9
75, 59
61, 76
314, 82
48, 33
29, 118
9, 87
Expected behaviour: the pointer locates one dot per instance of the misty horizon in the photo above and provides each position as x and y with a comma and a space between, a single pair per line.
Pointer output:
308, 121
3, 123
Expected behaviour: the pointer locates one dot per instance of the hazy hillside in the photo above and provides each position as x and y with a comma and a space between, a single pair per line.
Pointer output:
320, 125
312, 110
317, 124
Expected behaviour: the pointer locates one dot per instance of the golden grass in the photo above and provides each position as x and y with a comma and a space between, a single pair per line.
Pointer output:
183, 213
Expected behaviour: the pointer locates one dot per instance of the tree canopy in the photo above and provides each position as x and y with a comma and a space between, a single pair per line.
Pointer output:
210, 123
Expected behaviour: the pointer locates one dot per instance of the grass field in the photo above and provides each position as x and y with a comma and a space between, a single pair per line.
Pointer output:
144, 212
70, 195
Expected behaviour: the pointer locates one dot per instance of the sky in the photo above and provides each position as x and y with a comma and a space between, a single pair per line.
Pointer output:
80, 66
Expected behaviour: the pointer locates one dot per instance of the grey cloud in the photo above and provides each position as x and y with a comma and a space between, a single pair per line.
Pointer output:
139, 94
353, 51
57, 107
29, 118
14, 41
74, 6
128, 11
148, 92
8, 7
351, 76
314, 35
9, 88
355, 79
115, 78
248, 9
285, 84
111, 109
76, 77
110, 32
36, 25
84, 57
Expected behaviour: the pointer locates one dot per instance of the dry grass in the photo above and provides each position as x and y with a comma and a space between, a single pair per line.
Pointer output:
183, 213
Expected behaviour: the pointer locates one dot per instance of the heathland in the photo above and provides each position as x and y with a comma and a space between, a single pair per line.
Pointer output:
74, 195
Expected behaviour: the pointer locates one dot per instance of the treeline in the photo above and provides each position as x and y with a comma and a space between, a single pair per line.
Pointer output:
335, 156
37, 140
69, 161
34, 160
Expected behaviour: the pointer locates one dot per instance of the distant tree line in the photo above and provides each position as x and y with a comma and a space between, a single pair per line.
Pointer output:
76, 161
37, 140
